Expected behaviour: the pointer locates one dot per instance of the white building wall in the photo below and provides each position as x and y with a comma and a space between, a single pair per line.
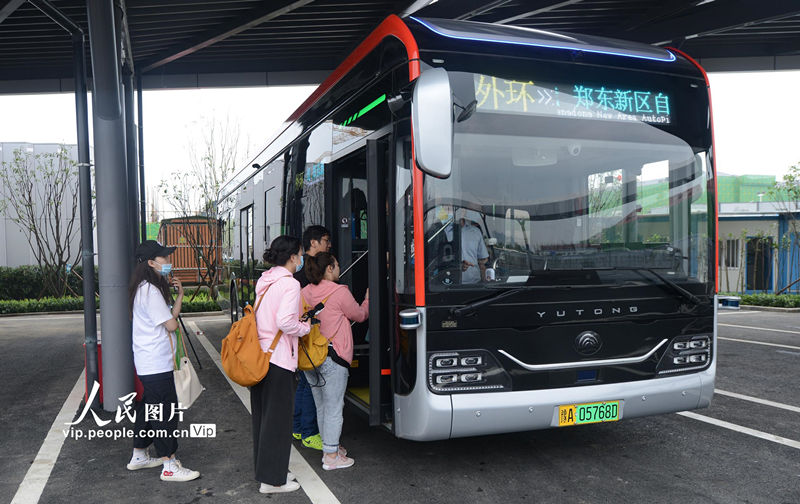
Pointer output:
14, 247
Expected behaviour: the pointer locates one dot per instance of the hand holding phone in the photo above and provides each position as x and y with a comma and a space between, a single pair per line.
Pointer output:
176, 282
312, 313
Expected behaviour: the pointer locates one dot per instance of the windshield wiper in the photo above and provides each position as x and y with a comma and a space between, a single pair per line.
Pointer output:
666, 281
470, 308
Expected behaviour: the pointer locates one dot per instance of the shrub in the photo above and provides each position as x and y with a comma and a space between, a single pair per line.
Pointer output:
47, 304
23, 282
76, 303
27, 282
778, 300
199, 306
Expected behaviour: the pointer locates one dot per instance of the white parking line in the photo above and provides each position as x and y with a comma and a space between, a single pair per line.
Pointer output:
312, 485
30, 490
760, 328
744, 430
765, 402
759, 343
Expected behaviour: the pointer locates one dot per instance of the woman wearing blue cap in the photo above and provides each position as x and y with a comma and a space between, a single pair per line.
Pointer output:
154, 316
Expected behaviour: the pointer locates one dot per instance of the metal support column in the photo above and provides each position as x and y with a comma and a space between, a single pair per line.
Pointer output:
87, 229
115, 254
85, 188
142, 192
133, 171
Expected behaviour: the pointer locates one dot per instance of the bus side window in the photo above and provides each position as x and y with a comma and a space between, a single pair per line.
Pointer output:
358, 225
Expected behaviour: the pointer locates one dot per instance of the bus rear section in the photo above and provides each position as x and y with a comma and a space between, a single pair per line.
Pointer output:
570, 255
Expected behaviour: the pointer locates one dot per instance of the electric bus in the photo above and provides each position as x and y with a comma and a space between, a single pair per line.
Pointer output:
533, 213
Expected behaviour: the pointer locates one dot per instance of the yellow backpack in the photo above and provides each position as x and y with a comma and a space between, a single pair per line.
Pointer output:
313, 346
242, 357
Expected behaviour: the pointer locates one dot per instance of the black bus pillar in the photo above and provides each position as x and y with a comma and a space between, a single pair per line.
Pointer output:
115, 254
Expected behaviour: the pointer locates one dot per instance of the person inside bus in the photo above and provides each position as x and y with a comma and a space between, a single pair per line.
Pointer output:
329, 381
440, 255
316, 239
278, 316
473, 253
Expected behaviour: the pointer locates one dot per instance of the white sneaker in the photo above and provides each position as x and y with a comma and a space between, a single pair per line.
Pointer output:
174, 471
290, 477
342, 452
145, 462
339, 462
290, 486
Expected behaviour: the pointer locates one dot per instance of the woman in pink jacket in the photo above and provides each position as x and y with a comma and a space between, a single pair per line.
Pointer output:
329, 380
271, 399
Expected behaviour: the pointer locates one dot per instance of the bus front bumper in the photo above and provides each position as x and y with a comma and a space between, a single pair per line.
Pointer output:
461, 415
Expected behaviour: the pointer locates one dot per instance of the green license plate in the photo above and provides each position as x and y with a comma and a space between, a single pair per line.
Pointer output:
577, 414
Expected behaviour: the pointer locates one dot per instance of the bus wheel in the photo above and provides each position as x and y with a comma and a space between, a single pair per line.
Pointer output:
234, 304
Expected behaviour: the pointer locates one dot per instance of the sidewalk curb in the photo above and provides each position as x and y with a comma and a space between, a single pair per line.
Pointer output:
76, 312
770, 308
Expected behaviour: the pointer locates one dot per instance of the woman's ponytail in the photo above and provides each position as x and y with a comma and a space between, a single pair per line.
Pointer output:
281, 250
317, 265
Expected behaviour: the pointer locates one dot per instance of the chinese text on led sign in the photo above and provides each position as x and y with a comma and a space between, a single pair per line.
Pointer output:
578, 100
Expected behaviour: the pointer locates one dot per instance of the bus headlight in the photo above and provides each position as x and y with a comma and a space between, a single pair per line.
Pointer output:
466, 371
686, 353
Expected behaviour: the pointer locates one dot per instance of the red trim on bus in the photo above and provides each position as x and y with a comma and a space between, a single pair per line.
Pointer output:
419, 235
391, 26
713, 166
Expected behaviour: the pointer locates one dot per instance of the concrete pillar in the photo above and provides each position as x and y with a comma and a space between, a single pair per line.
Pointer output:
115, 254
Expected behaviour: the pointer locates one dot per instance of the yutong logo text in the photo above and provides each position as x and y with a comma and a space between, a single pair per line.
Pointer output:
583, 312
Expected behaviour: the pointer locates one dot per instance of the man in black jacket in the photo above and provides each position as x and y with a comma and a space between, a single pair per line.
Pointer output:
316, 239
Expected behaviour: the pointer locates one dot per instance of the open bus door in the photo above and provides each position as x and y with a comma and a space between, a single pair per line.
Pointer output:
380, 390
356, 199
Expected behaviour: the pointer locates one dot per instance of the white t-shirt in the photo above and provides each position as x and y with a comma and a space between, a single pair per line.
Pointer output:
152, 353
472, 249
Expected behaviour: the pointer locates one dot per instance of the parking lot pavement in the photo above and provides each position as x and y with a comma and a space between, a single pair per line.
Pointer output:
661, 459
759, 354
40, 361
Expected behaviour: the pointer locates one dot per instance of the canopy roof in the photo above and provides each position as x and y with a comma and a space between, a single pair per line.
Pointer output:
191, 43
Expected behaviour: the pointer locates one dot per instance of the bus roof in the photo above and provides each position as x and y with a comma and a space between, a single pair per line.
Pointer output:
471, 31
433, 34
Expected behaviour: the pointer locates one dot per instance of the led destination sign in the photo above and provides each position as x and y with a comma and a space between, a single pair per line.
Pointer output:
577, 100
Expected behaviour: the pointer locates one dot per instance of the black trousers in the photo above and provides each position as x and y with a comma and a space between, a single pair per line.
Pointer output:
272, 405
159, 389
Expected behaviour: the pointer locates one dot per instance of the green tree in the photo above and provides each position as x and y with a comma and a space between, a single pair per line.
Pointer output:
40, 195
786, 194
196, 192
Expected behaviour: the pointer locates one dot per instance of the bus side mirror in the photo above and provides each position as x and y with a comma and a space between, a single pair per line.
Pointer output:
432, 116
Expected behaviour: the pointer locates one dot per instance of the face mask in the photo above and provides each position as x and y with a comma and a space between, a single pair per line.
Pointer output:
302, 260
166, 268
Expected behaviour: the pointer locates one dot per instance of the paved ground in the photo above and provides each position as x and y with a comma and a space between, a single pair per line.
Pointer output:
664, 459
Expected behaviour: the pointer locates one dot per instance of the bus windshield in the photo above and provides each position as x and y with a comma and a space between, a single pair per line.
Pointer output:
572, 176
